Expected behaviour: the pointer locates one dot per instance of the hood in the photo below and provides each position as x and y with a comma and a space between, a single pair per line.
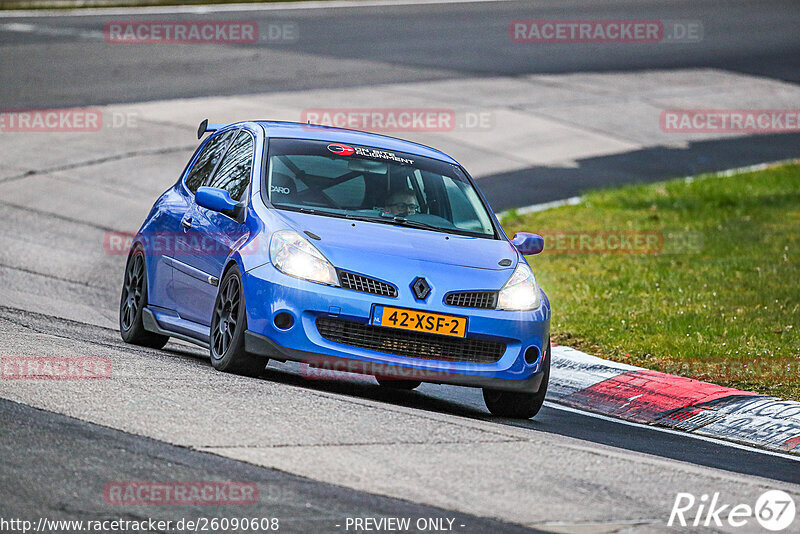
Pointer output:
348, 243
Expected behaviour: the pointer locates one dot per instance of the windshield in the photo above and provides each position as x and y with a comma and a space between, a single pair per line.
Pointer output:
374, 184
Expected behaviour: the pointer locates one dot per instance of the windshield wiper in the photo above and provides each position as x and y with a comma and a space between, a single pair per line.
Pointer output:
396, 219
384, 218
312, 211
402, 221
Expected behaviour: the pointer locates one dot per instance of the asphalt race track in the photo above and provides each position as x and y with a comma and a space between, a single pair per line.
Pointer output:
322, 451
302, 505
65, 61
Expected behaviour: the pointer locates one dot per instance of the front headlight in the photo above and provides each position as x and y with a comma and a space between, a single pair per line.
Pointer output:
294, 255
521, 292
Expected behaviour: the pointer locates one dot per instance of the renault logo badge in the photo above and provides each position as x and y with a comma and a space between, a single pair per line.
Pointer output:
421, 288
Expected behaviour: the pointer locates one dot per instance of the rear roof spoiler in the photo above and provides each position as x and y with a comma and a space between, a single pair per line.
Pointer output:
206, 127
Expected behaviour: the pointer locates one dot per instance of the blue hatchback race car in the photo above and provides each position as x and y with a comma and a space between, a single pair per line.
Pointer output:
341, 250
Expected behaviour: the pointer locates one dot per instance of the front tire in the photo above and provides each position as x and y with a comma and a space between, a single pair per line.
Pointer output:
515, 404
132, 303
228, 324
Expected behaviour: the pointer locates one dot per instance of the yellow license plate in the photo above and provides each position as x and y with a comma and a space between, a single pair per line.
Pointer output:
418, 321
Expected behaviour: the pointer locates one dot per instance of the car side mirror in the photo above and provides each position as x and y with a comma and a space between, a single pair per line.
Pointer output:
219, 200
527, 243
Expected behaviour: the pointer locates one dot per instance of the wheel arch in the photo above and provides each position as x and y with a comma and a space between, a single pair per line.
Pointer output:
138, 244
233, 261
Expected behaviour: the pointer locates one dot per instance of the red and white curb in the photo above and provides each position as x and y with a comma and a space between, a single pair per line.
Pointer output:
636, 394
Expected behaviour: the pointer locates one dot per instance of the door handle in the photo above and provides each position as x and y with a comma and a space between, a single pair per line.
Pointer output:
186, 223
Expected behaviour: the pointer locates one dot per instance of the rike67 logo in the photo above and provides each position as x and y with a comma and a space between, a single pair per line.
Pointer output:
774, 510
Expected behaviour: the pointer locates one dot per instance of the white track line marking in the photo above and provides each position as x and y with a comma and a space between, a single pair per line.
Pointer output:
572, 201
231, 8
533, 208
47, 30
732, 444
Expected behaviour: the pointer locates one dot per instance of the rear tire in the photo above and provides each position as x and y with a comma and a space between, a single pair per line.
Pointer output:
228, 324
515, 404
132, 302
406, 385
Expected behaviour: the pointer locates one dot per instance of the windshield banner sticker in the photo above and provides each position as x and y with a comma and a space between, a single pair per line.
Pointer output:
345, 150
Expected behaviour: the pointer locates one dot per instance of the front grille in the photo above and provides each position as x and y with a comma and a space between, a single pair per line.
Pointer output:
365, 284
411, 344
472, 299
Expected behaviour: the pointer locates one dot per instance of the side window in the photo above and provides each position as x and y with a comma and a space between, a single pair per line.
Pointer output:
207, 160
233, 174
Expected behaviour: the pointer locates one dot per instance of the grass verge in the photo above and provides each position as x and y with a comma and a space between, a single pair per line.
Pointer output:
697, 277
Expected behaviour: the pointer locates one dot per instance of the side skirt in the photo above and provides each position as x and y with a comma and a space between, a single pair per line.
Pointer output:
151, 325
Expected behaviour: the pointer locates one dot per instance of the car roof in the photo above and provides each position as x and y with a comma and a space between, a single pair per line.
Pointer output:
296, 130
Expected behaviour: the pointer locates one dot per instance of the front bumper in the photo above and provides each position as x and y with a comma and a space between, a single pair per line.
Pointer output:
268, 292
